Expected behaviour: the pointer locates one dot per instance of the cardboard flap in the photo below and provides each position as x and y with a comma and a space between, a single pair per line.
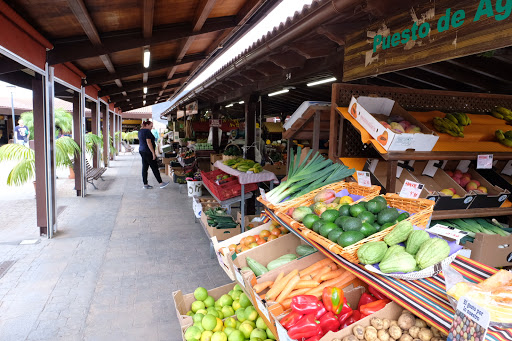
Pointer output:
376, 105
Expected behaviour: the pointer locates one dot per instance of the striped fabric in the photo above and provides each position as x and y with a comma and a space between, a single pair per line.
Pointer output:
426, 297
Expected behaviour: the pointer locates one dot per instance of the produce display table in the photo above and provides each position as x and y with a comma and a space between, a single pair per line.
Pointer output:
244, 179
424, 297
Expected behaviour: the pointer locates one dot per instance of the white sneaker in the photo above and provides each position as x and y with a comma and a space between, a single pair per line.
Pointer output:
147, 187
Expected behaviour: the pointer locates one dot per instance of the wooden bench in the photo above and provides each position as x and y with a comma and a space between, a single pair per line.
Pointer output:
93, 174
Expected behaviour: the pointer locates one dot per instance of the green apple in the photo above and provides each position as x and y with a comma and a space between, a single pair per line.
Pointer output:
225, 300
240, 315
270, 335
258, 333
246, 329
219, 336
201, 294
244, 300
227, 311
251, 314
192, 333
260, 323
236, 336
196, 305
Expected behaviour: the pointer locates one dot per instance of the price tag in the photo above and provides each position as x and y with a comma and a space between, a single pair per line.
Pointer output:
239, 278
470, 321
447, 231
484, 161
411, 190
463, 166
215, 123
508, 169
262, 308
430, 168
363, 179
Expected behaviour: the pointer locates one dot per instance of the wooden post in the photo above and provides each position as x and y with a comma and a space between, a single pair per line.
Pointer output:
120, 134
316, 131
391, 180
215, 130
77, 136
112, 130
251, 106
104, 131
333, 131
95, 123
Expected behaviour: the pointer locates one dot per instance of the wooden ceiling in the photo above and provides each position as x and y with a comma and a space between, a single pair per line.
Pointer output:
316, 52
107, 39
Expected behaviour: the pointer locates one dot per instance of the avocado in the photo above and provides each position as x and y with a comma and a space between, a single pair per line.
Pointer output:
330, 215
366, 217
327, 228
368, 229
387, 215
317, 224
357, 209
352, 224
345, 210
334, 234
350, 237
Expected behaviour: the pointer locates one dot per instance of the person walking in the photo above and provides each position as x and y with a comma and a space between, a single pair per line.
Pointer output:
22, 133
148, 154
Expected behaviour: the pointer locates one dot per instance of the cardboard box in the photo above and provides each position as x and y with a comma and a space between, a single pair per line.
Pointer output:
495, 195
379, 177
491, 249
352, 294
263, 254
183, 303
441, 181
213, 159
248, 219
167, 160
497, 180
368, 111
222, 251
220, 234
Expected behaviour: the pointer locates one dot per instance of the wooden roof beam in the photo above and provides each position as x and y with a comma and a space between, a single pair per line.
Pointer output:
121, 41
8, 65
110, 90
134, 94
489, 67
288, 59
100, 76
454, 73
137, 98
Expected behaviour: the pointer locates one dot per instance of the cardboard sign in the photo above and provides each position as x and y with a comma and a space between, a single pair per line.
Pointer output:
447, 231
484, 161
508, 169
430, 168
239, 278
411, 190
262, 308
363, 179
470, 321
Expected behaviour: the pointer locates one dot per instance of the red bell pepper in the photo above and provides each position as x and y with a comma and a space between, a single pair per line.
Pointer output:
290, 319
333, 299
320, 312
377, 294
356, 316
373, 307
306, 327
315, 338
346, 312
306, 304
329, 322
365, 299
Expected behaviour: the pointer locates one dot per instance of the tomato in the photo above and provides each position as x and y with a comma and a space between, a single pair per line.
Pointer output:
264, 234
242, 241
239, 248
249, 240
261, 241
253, 245
245, 248
283, 230
256, 238
276, 232
271, 237
232, 247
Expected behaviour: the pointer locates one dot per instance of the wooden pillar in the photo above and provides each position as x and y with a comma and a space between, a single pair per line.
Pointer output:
251, 108
77, 136
215, 130
112, 130
44, 142
316, 131
333, 131
95, 124
118, 135
391, 180
104, 131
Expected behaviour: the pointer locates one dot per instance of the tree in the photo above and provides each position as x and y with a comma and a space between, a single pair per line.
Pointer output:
63, 121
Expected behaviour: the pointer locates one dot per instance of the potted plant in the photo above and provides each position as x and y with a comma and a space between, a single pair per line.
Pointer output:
24, 170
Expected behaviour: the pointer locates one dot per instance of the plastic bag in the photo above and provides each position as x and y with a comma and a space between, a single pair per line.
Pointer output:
493, 294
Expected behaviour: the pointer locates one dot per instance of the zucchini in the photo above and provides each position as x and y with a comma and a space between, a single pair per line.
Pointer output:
304, 250
256, 267
281, 261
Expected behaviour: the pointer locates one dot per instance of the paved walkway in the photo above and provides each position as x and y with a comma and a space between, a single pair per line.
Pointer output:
110, 271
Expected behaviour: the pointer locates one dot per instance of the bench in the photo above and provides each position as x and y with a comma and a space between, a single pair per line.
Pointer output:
92, 174
127, 147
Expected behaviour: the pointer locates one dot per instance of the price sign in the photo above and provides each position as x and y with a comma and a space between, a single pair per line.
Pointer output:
411, 190
215, 123
363, 179
470, 321
447, 231
484, 161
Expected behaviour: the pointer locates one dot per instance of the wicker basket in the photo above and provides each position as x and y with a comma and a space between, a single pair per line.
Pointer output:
231, 157
308, 199
420, 210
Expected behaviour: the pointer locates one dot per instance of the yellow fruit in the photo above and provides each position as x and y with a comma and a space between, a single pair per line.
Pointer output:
219, 325
346, 200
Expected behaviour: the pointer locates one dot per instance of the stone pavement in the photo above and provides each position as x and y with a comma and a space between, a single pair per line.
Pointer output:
110, 271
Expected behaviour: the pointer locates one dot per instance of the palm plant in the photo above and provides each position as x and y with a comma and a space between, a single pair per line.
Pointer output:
65, 150
93, 143
63, 121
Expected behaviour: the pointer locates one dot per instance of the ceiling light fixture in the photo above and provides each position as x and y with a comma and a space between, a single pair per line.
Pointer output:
278, 92
241, 102
144, 102
145, 89
147, 55
327, 80
229, 105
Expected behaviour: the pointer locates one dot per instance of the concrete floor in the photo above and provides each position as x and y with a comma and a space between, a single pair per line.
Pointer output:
110, 271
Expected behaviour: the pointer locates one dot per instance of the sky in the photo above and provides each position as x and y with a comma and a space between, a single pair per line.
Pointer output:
21, 92
285, 9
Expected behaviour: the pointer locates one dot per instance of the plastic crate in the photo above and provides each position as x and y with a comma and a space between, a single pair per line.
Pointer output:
226, 190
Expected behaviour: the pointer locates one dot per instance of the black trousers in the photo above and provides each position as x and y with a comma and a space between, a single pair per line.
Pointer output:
147, 161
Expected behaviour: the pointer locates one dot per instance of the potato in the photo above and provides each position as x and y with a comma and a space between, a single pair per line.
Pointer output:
350, 338
358, 332
405, 311
383, 335
420, 323
406, 321
413, 331
394, 331
376, 323
385, 324
370, 333
393, 323
416, 340
406, 337
425, 334
435, 332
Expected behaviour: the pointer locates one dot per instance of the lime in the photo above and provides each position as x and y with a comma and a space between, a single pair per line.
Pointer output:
198, 325
240, 315
317, 225
196, 305
244, 301
246, 329
190, 313
219, 325
201, 294
270, 335
236, 294
206, 335
251, 314
225, 300
213, 311
366, 217
357, 209
209, 302
197, 317
258, 332
344, 210
220, 313
251, 323
260, 323
227, 311
209, 322
192, 333
219, 336
236, 336
309, 220
230, 322
330, 215
237, 288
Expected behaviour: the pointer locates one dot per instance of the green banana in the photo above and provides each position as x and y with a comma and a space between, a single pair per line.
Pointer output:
452, 118
504, 111
500, 136
497, 115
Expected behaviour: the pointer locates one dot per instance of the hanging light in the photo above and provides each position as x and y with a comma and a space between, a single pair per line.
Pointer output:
278, 92
145, 89
241, 102
144, 102
327, 80
147, 55
229, 105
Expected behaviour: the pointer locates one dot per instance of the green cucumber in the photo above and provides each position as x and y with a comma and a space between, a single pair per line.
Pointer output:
256, 267
281, 261
303, 250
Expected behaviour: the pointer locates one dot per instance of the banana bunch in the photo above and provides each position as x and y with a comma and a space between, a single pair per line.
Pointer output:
445, 125
504, 138
257, 168
459, 118
231, 162
502, 113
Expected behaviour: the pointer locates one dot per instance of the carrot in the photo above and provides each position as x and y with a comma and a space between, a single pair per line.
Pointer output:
279, 277
262, 286
332, 274
279, 286
320, 273
329, 283
307, 284
318, 265
262, 296
287, 304
306, 277
298, 291
288, 288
